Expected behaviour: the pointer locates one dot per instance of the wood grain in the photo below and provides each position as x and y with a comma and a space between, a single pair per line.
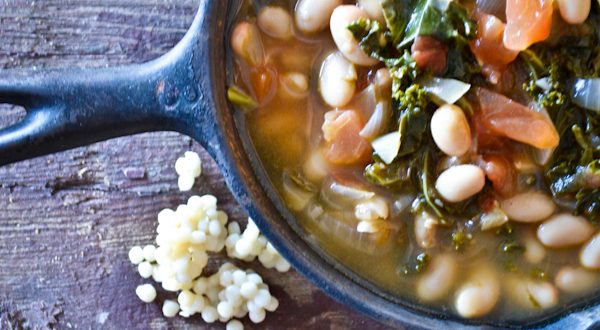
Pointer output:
68, 220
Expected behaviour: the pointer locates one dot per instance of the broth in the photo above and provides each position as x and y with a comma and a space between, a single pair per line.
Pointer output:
475, 223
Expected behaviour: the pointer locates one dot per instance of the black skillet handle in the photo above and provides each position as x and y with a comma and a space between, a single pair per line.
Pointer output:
71, 108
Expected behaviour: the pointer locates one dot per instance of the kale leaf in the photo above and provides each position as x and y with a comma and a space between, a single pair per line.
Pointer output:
442, 19
573, 173
413, 123
374, 38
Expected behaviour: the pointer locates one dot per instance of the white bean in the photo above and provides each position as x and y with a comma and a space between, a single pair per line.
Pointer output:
373, 8
337, 80
315, 168
275, 22
450, 130
590, 254
313, 16
575, 280
535, 252
294, 85
438, 280
574, 11
531, 206
372, 209
425, 230
530, 293
341, 17
460, 182
479, 294
563, 230
247, 43
544, 293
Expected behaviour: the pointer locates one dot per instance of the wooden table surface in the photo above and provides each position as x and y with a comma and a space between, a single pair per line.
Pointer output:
68, 220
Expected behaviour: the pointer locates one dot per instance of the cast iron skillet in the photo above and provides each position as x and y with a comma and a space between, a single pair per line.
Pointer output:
184, 91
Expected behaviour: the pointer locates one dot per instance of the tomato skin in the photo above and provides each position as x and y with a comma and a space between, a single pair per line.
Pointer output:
430, 53
486, 139
264, 83
527, 22
345, 146
488, 46
499, 170
505, 117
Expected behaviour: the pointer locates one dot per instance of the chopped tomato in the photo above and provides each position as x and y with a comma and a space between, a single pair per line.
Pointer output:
264, 83
430, 53
487, 201
486, 139
506, 117
527, 22
349, 178
344, 144
501, 173
489, 48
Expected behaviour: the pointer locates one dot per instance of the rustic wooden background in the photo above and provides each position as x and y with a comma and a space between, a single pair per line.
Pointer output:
68, 220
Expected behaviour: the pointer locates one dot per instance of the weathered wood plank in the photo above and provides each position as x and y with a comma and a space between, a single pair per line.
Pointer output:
67, 220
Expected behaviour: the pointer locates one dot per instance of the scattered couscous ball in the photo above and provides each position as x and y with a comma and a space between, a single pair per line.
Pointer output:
188, 167
136, 255
170, 308
146, 293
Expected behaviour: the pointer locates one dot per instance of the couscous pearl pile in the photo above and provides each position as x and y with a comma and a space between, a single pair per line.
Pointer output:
184, 238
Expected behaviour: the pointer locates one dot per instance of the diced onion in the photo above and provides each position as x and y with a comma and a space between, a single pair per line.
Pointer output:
493, 219
378, 122
387, 146
349, 192
542, 156
340, 197
586, 93
341, 227
296, 196
448, 90
543, 83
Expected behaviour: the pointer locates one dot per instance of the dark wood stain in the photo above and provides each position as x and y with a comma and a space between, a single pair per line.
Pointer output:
68, 220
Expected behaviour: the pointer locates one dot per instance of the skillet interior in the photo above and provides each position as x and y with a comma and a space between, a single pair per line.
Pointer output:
280, 226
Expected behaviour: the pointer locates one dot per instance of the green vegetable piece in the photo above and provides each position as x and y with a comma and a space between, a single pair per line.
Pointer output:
460, 239
511, 247
538, 273
413, 125
510, 266
423, 261
415, 266
391, 176
396, 13
506, 229
441, 19
373, 38
240, 98
533, 301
